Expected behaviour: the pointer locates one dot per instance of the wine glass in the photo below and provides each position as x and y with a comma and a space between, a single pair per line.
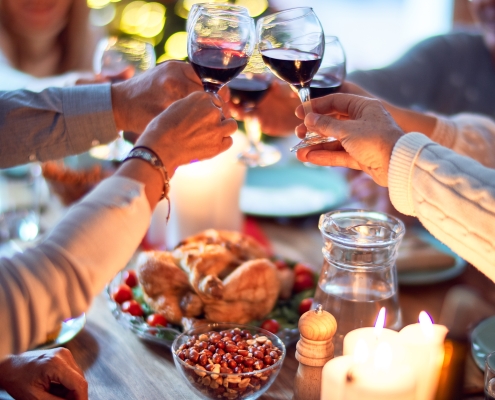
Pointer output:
246, 91
331, 74
219, 46
212, 8
118, 59
292, 45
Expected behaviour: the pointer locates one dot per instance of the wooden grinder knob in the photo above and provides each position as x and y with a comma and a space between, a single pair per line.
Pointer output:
314, 349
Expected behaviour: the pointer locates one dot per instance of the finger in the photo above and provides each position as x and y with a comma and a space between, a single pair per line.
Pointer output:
332, 159
328, 125
301, 131
227, 142
329, 146
72, 379
69, 359
224, 93
228, 127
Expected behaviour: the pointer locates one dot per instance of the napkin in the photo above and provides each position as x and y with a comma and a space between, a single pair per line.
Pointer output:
417, 254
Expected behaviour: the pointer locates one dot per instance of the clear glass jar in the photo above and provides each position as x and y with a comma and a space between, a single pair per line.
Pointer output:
359, 276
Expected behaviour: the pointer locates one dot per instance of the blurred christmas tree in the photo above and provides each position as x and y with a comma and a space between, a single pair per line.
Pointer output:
161, 23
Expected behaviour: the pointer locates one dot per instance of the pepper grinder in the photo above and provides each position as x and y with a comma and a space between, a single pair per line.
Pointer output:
315, 347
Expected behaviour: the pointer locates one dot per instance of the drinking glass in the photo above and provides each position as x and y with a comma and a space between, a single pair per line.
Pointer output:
490, 376
331, 74
359, 276
292, 45
118, 58
212, 8
219, 45
246, 91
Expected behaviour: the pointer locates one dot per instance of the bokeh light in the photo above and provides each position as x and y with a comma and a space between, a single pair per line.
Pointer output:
98, 3
255, 7
144, 19
102, 16
176, 46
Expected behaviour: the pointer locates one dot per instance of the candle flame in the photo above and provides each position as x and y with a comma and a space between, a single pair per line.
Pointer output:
361, 352
426, 324
383, 356
380, 322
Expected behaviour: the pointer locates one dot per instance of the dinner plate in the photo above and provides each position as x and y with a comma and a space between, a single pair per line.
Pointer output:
483, 341
435, 276
70, 328
292, 190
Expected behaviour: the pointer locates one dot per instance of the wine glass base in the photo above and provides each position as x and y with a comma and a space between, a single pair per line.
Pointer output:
311, 141
262, 156
115, 151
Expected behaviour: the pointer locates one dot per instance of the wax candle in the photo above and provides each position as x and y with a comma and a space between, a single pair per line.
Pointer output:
206, 194
425, 351
361, 377
373, 336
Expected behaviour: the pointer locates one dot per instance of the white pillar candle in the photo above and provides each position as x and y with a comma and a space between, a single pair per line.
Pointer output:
333, 377
425, 351
205, 195
373, 336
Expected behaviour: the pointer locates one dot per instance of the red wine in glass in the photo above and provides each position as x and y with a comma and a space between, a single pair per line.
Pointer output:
292, 66
322, 85
247, 93
216, 67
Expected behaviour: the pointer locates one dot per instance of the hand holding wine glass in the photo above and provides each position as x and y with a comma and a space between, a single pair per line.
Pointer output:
219, 46
292, 45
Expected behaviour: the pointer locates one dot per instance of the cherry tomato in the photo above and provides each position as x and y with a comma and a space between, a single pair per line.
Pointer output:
305, 305
130, 278
156, 320
122, 293
271, 325
281, 264
301, 268
302, 282
132, 307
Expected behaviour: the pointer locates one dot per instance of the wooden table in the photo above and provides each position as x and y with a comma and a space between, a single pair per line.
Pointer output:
119, 366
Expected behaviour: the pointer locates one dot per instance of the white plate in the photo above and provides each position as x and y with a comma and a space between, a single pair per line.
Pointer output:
429, 277
483, 341
70, 329
292, 190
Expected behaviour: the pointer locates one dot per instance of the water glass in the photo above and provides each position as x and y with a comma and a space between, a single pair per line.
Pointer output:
490, 376
359, 276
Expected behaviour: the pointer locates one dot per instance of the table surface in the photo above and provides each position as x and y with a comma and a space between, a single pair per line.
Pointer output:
119, 366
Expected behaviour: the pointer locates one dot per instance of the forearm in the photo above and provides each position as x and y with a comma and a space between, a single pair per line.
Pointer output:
412, 121
453, 196
54, 123
85, 250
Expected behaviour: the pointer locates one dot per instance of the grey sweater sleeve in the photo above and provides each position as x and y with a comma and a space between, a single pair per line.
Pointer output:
54, 123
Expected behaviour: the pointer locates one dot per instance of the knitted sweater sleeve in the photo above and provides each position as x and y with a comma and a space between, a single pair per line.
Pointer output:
453, 196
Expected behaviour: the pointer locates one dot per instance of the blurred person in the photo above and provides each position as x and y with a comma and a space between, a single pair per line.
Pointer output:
44, 43
452, 195
98, 235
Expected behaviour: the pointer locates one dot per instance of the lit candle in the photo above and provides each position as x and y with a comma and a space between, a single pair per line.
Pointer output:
424, 346
206, 194
373, 336
361, 377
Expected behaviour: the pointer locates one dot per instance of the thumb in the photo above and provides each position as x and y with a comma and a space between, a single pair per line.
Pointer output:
320, 124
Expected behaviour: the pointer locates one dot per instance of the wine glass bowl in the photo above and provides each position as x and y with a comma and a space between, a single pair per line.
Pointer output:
292, 45
219, 46
212, 8
332, 71
118, 59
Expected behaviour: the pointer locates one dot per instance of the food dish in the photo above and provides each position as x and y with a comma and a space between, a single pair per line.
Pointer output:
292, 190
70, 328
483, 341
422, 277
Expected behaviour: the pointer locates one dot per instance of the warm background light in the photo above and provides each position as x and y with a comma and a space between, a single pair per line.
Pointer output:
255, 7
176, 46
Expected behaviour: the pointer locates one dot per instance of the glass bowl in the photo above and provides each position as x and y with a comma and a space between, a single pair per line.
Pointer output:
202, 357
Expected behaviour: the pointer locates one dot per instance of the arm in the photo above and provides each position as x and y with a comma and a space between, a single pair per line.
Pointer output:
63, 121
58, 278
453, 197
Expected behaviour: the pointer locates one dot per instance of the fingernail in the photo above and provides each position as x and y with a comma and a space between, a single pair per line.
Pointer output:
312, 119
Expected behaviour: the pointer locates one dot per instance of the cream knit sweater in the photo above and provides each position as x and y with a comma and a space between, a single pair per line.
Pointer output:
453, 196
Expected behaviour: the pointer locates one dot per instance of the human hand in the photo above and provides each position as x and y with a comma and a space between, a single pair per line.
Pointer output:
191, 129
126, 73
366, 134
275, 111
352, 88
30, 375
140, 99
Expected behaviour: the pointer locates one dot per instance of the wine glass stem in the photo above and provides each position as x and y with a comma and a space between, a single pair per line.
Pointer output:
308, 108
253, 129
